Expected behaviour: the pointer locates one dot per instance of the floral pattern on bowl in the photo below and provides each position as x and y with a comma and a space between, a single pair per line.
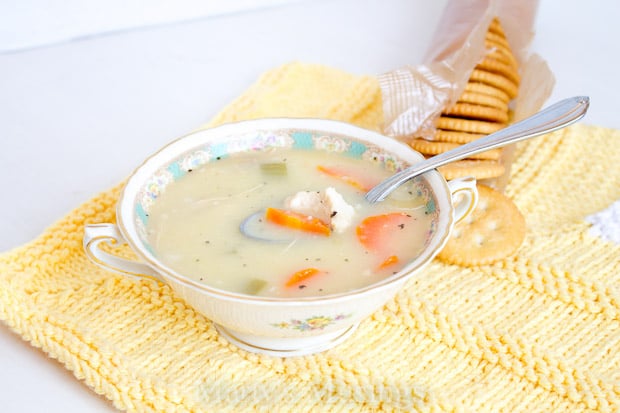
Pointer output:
311, 323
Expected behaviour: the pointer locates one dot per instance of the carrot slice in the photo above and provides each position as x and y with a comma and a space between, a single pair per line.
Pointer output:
301, 275
377, 232
297, 221
347, 177
389, 261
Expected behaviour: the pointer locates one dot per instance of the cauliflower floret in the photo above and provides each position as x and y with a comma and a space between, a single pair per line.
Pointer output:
309, 203
340, 212
328, 206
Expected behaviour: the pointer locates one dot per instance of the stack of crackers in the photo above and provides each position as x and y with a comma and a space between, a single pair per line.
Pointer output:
496, 228
480, 110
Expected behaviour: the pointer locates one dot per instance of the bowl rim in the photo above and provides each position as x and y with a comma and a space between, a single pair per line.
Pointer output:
152, 163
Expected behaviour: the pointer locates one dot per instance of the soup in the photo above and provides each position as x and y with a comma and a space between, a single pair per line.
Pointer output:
343, 244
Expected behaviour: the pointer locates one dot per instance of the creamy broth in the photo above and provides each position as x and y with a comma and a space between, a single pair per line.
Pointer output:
193, 226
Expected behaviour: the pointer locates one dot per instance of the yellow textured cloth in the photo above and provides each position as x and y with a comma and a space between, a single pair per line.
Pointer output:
539, 331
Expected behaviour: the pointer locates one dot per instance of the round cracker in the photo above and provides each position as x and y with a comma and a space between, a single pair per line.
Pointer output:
497, 52
498, 81
494, 230
479, 169
468, 125
426, 147
496, 27
471, 111
483, 99
485, 89
497, 39
459, 137
496, 66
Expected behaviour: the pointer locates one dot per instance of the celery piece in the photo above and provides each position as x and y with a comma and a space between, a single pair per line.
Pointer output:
274, 168
255, 285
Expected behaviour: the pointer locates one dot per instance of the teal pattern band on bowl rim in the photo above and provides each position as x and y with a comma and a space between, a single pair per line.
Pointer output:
259, 141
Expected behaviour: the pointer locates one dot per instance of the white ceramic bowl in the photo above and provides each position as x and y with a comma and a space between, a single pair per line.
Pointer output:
275, 326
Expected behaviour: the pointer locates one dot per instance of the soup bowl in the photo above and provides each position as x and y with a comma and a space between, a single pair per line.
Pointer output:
273, 325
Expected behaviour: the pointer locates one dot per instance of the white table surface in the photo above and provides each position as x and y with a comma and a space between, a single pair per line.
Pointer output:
77, 117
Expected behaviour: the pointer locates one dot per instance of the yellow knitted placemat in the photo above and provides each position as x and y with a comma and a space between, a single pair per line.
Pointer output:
539, 331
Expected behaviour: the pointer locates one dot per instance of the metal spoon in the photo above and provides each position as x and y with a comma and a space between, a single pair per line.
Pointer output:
554, 117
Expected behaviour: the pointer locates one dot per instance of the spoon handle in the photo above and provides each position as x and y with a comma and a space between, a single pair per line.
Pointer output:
555, 117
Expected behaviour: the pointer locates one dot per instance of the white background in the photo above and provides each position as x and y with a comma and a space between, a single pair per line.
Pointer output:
79, 110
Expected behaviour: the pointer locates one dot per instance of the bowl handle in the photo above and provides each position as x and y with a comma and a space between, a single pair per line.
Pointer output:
109, 233
464, 196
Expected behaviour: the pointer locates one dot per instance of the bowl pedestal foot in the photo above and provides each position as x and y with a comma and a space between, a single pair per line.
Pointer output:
286, 347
